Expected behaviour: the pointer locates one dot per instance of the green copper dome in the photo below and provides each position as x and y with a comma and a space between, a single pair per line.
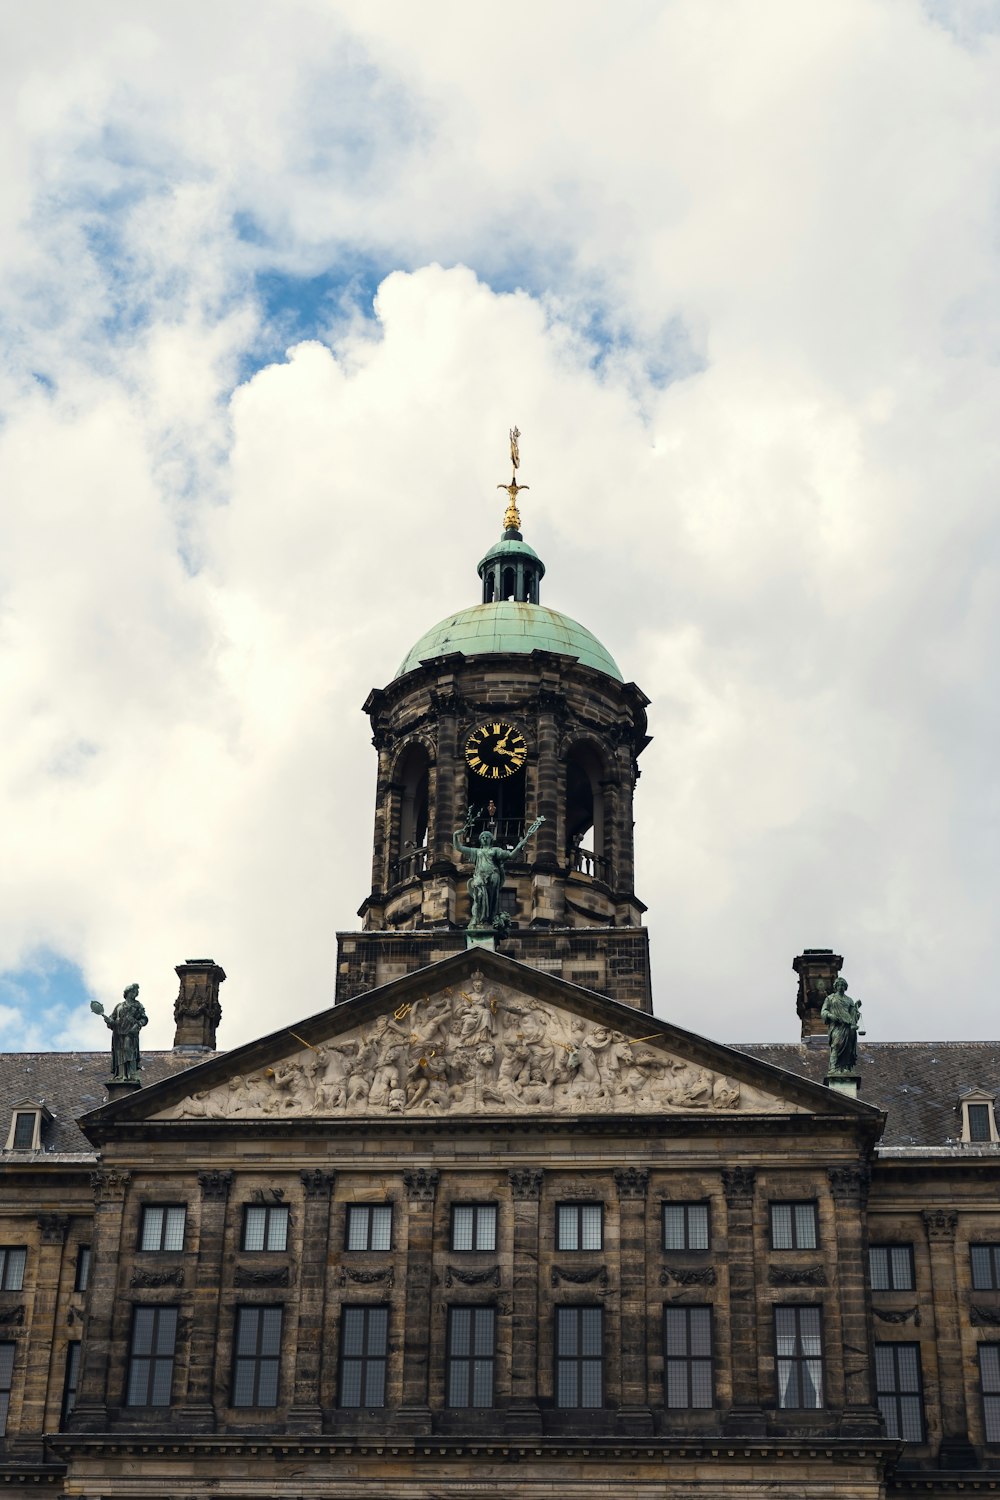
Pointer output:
504, 626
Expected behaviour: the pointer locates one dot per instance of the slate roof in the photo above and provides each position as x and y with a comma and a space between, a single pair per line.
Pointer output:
916, 1083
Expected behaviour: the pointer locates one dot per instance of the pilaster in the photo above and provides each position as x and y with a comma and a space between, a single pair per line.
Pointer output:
956, 1450
306, 1413
421, 1187
634, 1415
38, 1352
849, 1186
90, 1413
199, 1405
523, 1415
746, 1416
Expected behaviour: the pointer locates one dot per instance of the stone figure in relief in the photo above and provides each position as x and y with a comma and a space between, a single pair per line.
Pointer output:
485, 1047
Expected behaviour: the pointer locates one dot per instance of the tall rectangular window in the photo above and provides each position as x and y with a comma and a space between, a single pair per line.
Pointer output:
162, 1226
12, 1262
82, 1278
71, 1381
891, 1268
985, 1267
685, 1226
151, 1356
369, 1226
798, 1342
6, 1372
257, 1356
989, 1380
471, 1351
687, 1351
580, 1357
579, 1226
364, 1333
265, 1228
793, 1226
899, 1392
24, 1131
474, 1226
979, 1122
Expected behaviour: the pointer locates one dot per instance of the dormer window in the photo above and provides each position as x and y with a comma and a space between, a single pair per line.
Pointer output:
26, 1125
979, 1122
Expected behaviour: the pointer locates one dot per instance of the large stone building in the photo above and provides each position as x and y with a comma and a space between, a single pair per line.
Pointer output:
486, 1225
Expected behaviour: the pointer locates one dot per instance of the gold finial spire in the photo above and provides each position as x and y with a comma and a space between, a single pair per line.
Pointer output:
512, 517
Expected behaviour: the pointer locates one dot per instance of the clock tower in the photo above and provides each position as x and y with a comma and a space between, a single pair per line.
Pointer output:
503, 714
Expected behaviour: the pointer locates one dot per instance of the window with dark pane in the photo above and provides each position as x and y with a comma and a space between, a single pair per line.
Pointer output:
474, 1226
985, 1267
162, 1226
363, 1346
579, 1226
369, 1226
151, 1356
257, 1356
979, 1122
265, 1227
580, 1357
989, 1381
793, 1226
687, 1357
471, 1352
798, 1338
24, 1131
81, 1279
899, 1390
891, 1268
6, 1374
685, 1226
71, 1381
13, 1259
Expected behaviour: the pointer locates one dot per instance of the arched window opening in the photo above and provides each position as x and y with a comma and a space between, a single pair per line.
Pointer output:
585, 845
509, 589
496, 805
491, 587
529, 586
413, 777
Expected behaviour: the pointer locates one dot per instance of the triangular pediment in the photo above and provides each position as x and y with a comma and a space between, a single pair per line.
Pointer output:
476, 1035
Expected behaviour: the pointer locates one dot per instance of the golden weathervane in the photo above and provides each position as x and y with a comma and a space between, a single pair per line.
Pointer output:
512, 518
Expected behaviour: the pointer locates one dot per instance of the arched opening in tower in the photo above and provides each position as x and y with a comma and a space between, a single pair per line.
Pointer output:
585, 843
491, 587
497, 805
509, 586
413, 778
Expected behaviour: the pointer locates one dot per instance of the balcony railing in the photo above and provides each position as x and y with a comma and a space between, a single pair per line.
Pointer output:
586, 862
409, 867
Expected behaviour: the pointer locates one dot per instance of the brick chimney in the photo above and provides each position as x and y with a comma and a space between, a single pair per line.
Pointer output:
197, 1010
817, 969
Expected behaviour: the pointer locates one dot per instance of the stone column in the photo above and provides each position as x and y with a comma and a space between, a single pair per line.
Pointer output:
414, 1414
546, 853
523, 1414
306, 1414
745, 1417
849, 1186
41, 1320
956, 1450
199, 1406
634, 1415
90, 1413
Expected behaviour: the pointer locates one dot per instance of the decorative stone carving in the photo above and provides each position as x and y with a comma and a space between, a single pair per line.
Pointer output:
484, 1049
704, 1276
11, 1317
317, 1184
261, 1276
940, 1223
526, 1182
143, 1277
472, 1278
738, 1185
421, 1184
53, 1228
898, 1314
631, 1182
367, 1278
215, 1185
848, 1184
796, 1276
984, 1317
109, 1184
598, 1274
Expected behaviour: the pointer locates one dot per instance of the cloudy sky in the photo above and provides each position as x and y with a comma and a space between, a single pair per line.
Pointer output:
275, 279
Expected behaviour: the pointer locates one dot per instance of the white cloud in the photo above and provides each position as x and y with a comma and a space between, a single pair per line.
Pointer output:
793, 548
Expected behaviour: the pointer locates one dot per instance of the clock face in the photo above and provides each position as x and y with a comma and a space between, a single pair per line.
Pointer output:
496, 750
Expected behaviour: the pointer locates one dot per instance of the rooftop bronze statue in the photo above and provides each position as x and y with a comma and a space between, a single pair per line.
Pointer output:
488, 860
842, 1015
125, 1022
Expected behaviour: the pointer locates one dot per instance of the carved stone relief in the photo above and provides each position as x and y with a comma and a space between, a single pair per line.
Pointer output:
148, 1278
486, 1049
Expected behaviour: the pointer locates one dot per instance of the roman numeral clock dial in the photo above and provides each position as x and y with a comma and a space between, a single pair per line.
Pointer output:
495, 750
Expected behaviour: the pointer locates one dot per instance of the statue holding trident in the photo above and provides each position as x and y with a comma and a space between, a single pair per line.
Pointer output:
842, 1015
488, 861
512, 518
126, 1021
